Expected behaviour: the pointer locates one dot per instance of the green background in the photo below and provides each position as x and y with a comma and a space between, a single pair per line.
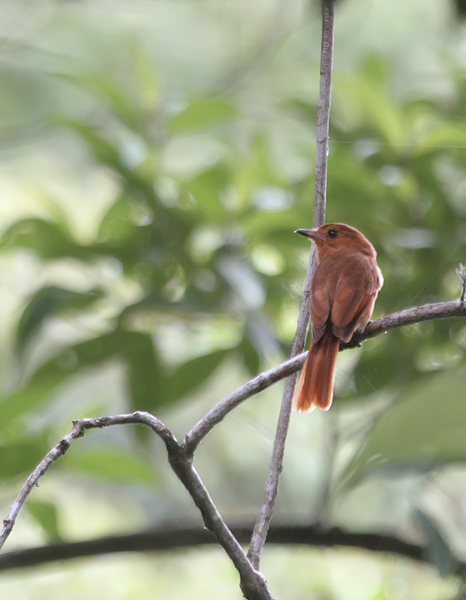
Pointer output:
156, 158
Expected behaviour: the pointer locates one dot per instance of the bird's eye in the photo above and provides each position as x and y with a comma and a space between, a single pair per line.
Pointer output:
332, 233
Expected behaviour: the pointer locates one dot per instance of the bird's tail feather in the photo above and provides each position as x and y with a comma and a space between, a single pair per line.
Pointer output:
315, 384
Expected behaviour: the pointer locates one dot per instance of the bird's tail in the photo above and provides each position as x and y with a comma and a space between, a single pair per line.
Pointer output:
315, 384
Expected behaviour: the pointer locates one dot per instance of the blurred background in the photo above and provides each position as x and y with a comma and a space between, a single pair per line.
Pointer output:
155, 159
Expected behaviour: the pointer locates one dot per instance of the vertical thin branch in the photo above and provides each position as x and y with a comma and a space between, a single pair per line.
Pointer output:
323, 112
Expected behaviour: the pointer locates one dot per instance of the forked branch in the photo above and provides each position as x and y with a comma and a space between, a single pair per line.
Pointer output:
180, 456
253, 584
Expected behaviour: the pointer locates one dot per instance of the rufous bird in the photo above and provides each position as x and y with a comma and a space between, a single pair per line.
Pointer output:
343, 292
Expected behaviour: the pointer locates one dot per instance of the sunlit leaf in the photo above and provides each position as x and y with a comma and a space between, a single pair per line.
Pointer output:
48, 239
447, 136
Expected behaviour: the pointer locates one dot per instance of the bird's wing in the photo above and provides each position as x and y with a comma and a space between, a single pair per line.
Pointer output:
320, 308
355, 294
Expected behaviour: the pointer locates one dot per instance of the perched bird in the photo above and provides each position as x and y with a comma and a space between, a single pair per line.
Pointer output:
343, 292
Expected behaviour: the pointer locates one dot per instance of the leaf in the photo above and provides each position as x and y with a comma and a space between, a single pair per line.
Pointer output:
145, 75
30, 398
372, 106
206, 189
202, 113
20, 458
102, 148
44, 237
46, 380
438, 550
146, 376
192, 374
250, 356
50, 301
113, 464
107, 152
444, 136
424, 428
118, 98
122, 221
46, 514
304, 109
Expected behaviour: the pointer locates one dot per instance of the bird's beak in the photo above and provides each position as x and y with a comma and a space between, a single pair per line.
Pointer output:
310, 233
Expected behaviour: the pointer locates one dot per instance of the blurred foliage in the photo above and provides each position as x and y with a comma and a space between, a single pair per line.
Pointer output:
204, 246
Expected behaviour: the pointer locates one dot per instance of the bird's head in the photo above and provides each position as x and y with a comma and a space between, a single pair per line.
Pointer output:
332, 237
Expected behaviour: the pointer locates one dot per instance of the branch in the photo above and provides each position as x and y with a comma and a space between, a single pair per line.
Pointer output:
79, 428
409, 316
181, 456
253, 583
173, 537
225, 406
323, 118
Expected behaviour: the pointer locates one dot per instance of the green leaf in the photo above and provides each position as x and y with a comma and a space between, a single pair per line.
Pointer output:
438, 550
448, 135
50, 301
30, 398
46, 380
103, 149
192, 374
206, 189
306, 110
250, 356
44, 237
20, 458
372, 106
121, 222
146, 376
137, 184
145, 75
112, 464
202, 113
424, 428
118, 98
46, 514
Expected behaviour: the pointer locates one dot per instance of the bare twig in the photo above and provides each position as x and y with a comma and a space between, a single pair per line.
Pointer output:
78, 430
409, 316
323, 116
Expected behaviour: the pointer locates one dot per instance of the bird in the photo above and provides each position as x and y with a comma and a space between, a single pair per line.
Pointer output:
344, 288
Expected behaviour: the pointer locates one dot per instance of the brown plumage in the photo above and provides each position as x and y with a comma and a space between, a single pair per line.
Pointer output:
343, 292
